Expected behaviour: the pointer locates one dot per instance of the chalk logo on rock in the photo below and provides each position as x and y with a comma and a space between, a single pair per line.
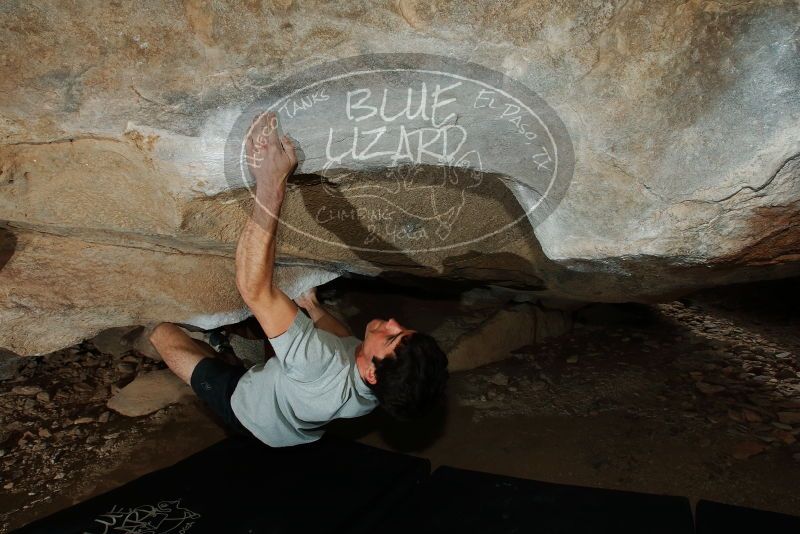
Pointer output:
412, 153
166, 517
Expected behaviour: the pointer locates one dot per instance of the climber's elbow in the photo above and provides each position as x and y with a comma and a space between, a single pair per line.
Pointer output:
251, 290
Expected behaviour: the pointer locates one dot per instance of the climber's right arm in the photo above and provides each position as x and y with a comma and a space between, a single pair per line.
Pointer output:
271, 161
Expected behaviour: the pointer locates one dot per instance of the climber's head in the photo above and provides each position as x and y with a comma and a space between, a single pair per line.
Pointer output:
405, 369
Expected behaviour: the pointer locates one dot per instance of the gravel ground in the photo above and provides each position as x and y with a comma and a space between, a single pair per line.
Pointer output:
55, 429
698, 397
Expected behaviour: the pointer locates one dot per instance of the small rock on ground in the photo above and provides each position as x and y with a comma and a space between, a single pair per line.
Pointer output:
149, 393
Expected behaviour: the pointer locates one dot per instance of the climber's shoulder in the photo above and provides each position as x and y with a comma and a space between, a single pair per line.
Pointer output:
274, 310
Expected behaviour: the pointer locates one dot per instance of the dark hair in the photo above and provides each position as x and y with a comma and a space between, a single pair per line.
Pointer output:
411, 382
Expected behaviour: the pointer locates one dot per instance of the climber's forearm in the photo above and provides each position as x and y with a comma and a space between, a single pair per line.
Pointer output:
255, 253
255, 263
325, 321
271, 160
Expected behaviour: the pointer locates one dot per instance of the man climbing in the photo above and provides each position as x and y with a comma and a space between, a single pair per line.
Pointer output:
320, 371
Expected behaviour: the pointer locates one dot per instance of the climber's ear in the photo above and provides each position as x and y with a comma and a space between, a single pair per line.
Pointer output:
371, 377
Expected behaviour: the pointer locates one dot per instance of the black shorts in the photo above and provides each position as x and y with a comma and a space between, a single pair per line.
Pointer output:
214, 381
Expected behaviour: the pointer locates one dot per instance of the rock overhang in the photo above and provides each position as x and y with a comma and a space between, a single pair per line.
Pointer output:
682, 117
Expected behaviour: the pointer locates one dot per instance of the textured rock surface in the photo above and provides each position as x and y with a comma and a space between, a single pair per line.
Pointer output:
507, 330
119, 340
149, 393
684, 118
59, 290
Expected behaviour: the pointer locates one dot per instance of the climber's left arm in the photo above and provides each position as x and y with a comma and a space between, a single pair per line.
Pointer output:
271, 160
322, 318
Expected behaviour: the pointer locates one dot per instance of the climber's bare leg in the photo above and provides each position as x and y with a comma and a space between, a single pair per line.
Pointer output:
180, 352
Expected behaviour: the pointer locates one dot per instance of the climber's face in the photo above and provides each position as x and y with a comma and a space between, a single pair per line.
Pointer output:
382, 336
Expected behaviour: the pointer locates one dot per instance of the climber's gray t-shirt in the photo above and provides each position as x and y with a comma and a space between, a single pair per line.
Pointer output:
312, 379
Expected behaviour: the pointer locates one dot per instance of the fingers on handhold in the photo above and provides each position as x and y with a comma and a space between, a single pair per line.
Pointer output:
264, 134
257, 125
288, 147
251, 142
256, 128
272, 128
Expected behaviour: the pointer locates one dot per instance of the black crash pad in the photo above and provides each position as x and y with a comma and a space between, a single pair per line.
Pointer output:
455, 500
717, 518
242, 486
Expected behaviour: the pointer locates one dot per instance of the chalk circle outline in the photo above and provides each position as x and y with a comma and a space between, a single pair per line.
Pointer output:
391, 63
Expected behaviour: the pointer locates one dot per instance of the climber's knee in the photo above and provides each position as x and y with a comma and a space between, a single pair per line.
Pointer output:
162, 335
